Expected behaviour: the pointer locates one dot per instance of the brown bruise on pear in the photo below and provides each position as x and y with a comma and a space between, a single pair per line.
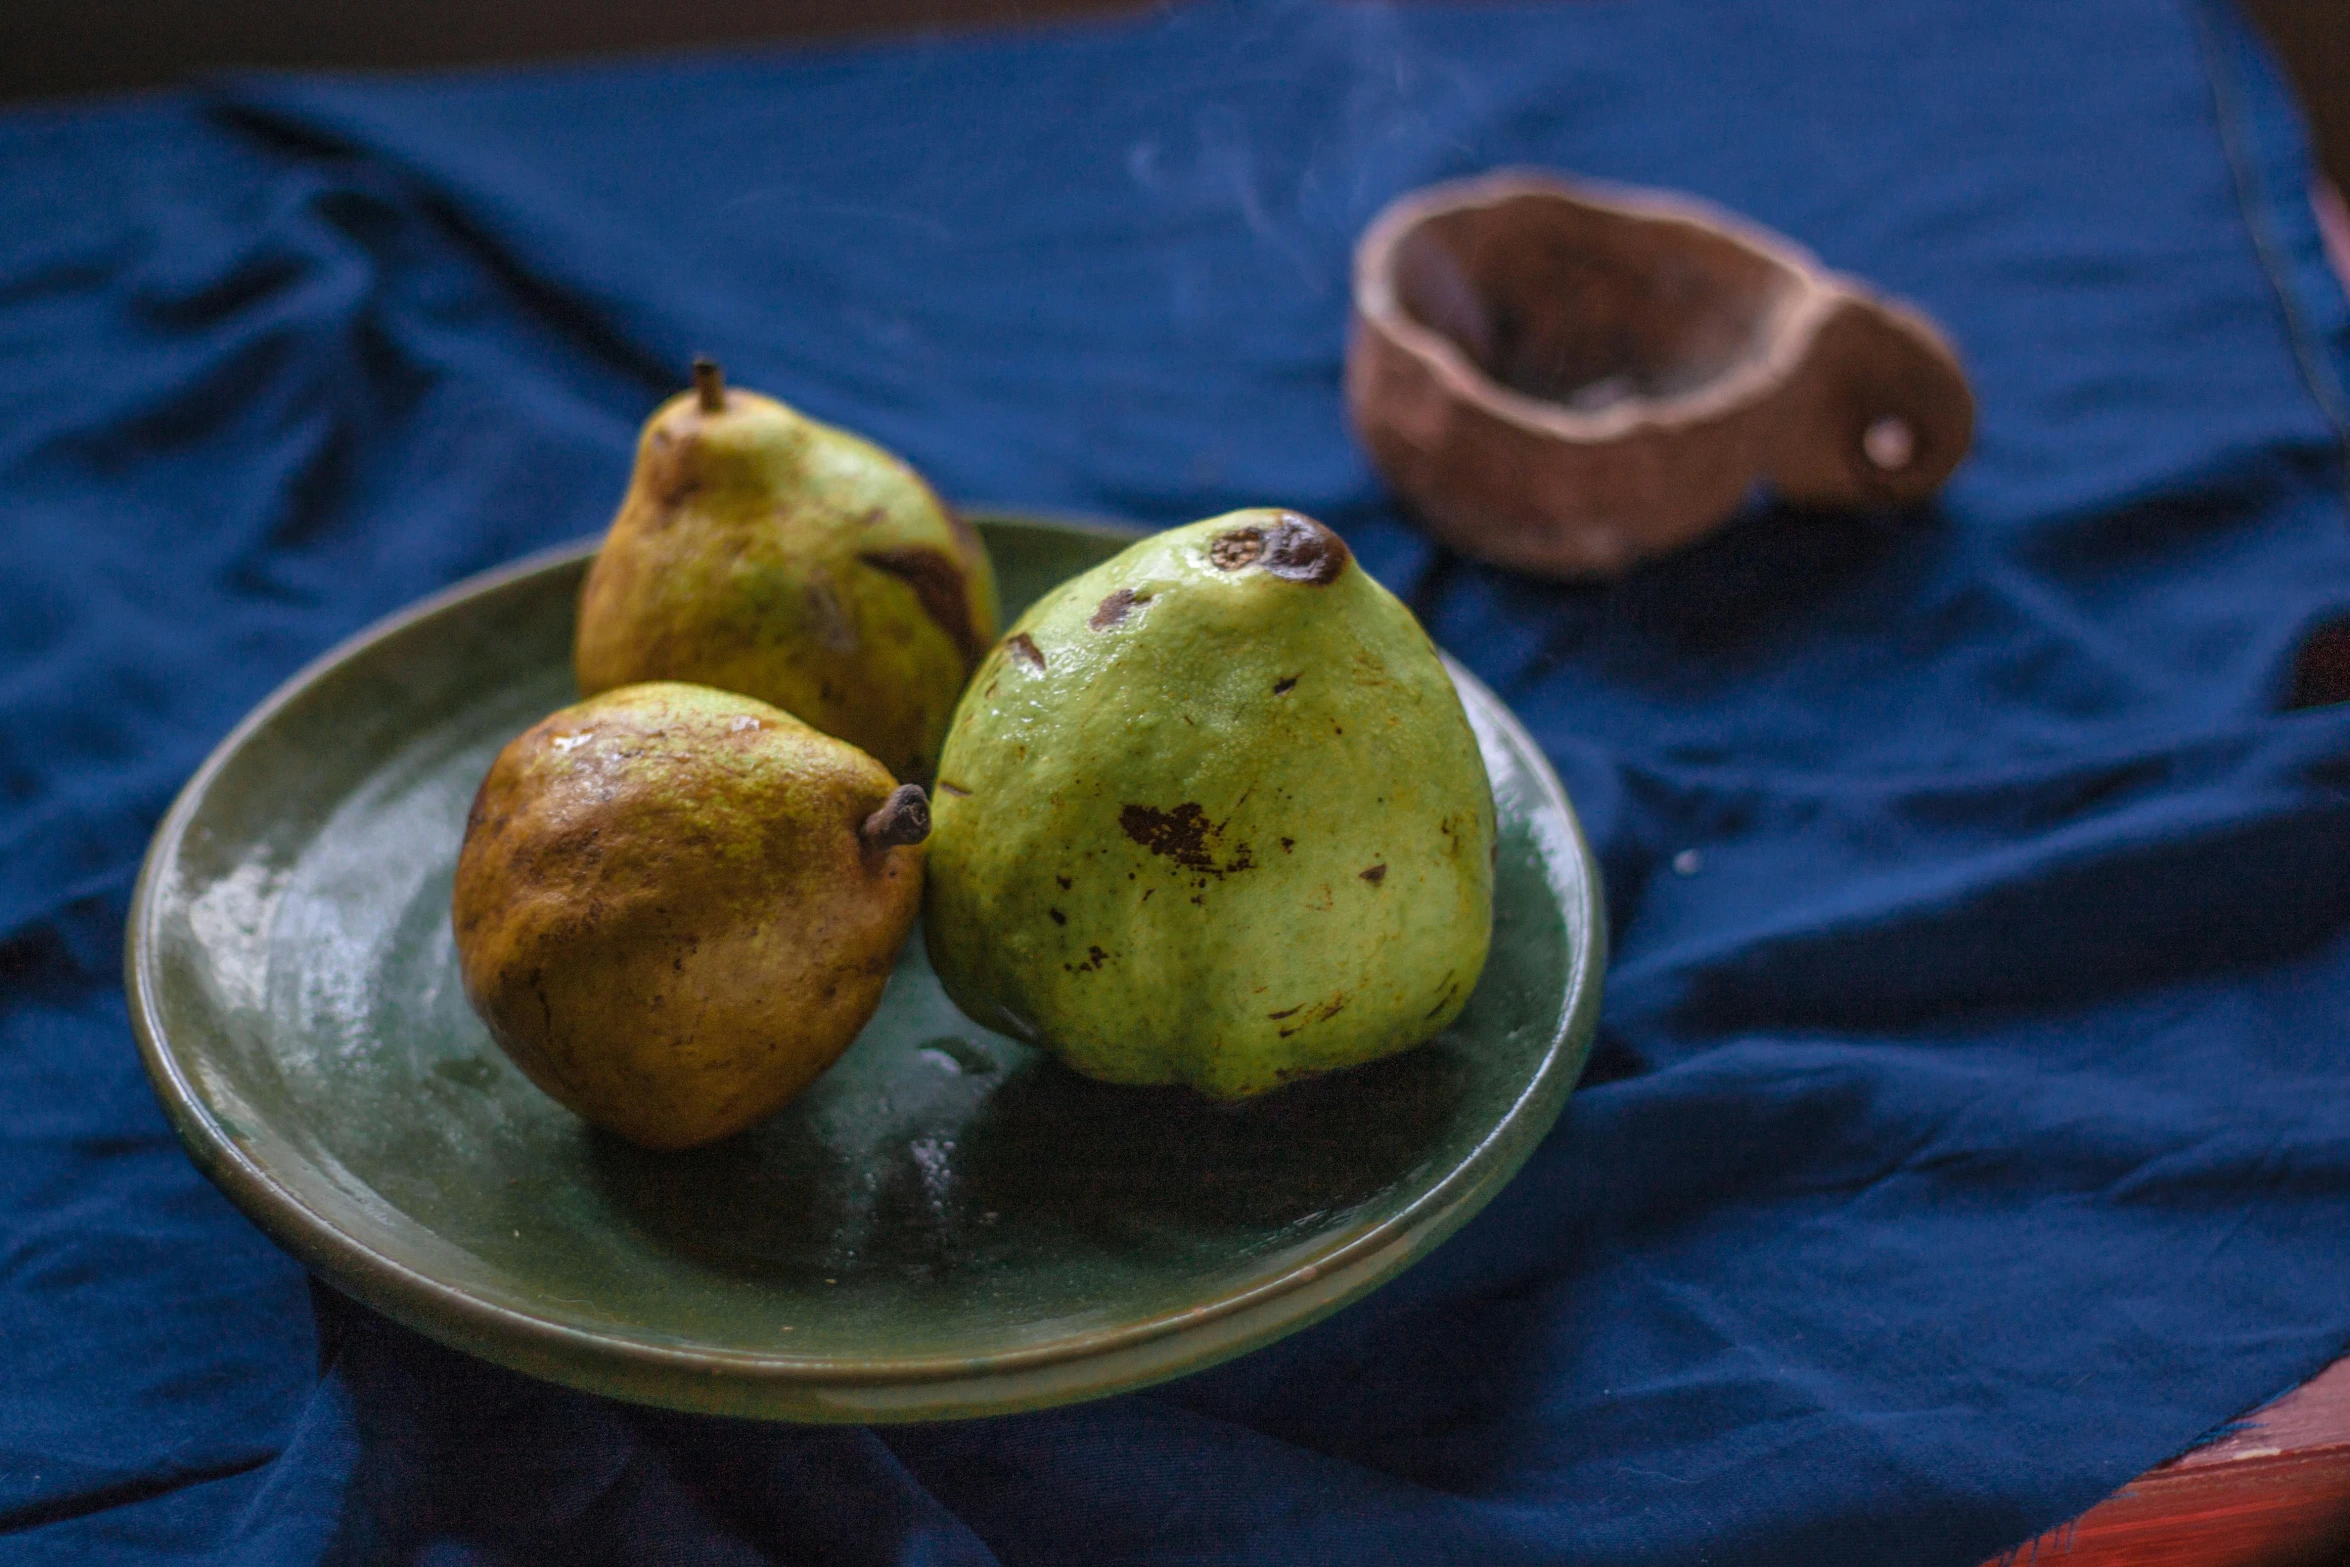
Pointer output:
761, 551
675, 907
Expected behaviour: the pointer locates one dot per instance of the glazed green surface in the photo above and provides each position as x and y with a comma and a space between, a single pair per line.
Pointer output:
947, 1224
1216, 826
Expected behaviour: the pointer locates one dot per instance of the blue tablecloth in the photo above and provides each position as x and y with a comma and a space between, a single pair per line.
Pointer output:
1969, 1128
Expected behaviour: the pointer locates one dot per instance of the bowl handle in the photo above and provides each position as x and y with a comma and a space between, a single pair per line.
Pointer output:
1878, 414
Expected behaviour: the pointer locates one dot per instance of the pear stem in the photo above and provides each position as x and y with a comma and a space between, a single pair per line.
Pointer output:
902, 821
710, 384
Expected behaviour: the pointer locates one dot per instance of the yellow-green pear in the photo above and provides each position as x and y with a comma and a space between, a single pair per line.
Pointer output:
675, 906
760, 551
1213, 814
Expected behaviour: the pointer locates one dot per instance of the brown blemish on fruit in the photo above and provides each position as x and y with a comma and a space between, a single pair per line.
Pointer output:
1023, 647
1294, 548
1113, 609
1375, 875
1065, 882
1287, 1012
1236, 549
1182, 835
955, 789
939, 587
1058, 917
1322, 1014
667, 473
1282, 686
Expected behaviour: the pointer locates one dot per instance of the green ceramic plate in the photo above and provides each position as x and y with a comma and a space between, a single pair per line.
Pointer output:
946, 1225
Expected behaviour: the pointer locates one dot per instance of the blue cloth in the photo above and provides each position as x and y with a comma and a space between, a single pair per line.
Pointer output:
1969, 1127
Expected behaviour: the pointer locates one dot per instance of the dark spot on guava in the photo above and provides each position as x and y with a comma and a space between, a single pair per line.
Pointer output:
1287, 1012
1023, 647
953, 788
1288, 844
1282, 686
1375, 875
1295, 548
1065, 882
1184, 836
1113, 609
1236, 549
940, 587
1058, 917
1181, 834
1095, 957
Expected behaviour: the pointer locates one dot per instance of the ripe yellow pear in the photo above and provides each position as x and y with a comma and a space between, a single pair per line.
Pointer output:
760, 551
675, 906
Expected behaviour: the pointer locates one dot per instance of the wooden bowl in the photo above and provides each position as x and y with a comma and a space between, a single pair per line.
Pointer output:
1568, 379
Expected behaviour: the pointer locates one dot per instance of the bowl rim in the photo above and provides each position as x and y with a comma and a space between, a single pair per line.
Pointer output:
1785, 332
455, 1314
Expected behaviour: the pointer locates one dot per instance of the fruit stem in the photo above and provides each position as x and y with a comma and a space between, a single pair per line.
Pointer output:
903, 820
710, 383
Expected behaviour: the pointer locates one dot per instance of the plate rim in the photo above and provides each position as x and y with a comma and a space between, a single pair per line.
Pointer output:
564, 1351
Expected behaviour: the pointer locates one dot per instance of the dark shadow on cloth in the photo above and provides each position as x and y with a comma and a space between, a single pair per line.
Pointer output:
462, 1461
2068, 931
1771, 566
2321, 668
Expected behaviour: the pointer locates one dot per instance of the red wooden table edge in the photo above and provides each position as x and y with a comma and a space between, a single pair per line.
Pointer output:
2274, 1491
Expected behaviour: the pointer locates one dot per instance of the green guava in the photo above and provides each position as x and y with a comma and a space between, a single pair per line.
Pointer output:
1212, 814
